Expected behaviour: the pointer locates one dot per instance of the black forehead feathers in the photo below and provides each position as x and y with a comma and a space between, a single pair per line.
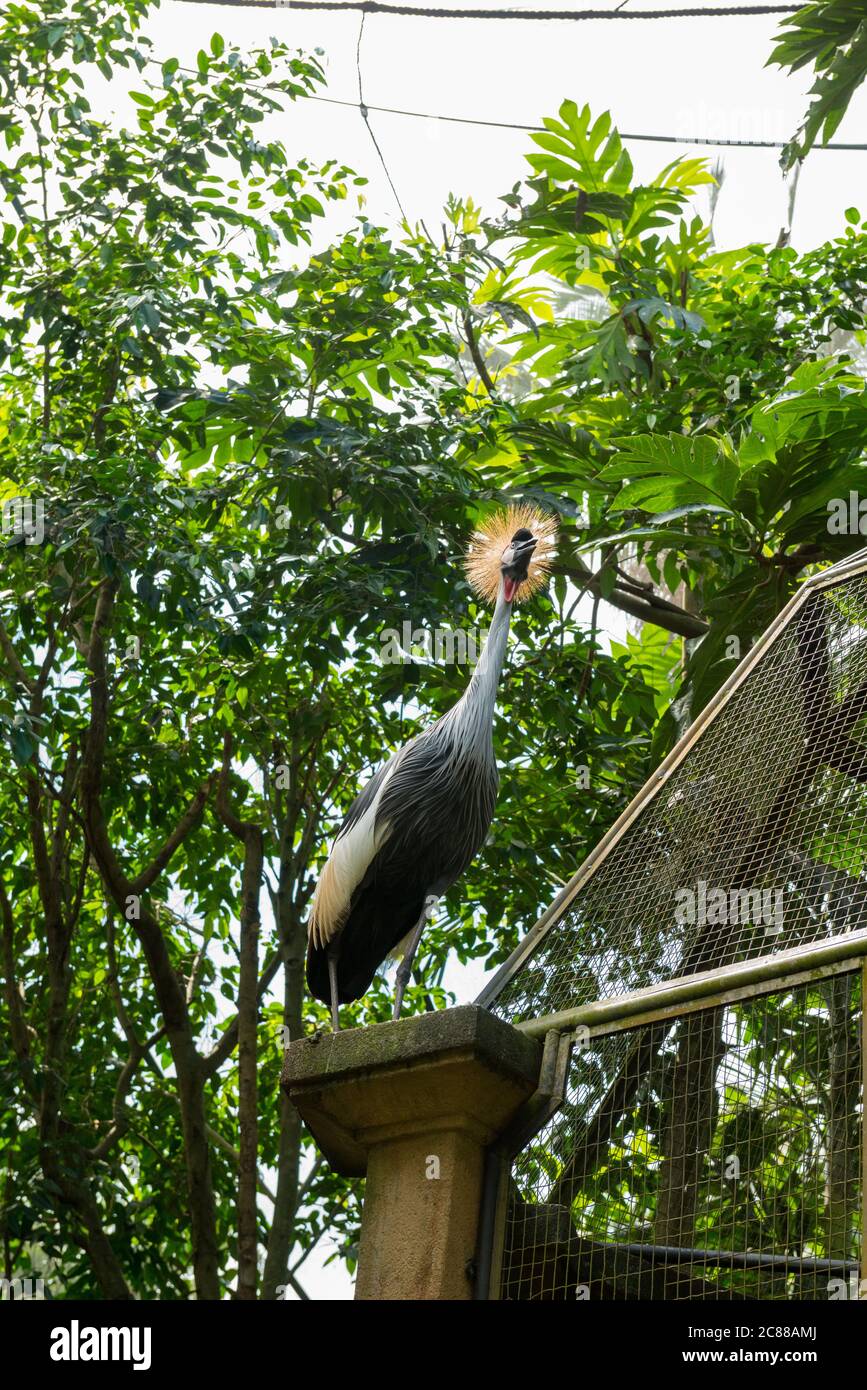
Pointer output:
521, 535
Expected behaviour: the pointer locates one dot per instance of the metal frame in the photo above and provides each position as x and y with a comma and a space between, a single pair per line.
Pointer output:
706, 989
671, 999
533, 1116
837, 574
735, 1259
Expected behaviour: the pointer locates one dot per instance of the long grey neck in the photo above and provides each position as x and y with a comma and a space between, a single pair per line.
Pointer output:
473, 716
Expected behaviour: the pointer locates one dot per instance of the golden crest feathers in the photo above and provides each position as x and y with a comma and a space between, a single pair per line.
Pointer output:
485, 552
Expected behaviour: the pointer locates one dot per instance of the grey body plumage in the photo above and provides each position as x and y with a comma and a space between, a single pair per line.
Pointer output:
415, 827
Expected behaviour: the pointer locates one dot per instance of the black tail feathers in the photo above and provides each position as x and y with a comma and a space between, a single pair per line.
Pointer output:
373, 929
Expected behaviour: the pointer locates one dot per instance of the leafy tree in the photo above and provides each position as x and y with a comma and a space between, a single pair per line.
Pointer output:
701, 409
231, 459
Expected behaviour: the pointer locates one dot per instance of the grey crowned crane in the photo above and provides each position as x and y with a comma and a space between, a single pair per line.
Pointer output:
422, 818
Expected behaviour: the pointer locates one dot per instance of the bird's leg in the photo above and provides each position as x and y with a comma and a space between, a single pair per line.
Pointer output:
333, 955
404, 970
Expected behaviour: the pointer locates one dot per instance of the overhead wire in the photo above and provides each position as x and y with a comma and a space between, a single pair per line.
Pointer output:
624, 135
364, 116
441, 12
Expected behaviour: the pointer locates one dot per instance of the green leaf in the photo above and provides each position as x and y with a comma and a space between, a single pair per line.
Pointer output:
23, 745
672, 472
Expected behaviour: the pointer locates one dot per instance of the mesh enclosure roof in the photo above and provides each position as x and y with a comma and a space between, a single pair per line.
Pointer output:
750, 839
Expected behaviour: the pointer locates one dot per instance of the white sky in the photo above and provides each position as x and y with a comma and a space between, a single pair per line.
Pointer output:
701, 77
682, 77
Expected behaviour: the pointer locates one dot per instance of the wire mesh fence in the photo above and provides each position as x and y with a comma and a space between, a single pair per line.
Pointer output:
756, 841
715, 1155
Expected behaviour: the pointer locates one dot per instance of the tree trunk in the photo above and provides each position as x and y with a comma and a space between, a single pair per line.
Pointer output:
293, 939
689, 1121
248, 1019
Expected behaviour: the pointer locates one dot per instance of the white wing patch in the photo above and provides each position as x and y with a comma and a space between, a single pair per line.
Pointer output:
348, 862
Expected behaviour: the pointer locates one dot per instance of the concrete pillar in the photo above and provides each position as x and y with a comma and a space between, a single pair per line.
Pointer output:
413, 1105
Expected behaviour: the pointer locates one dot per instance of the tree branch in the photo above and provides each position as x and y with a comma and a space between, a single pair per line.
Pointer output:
476, 355
650, 608
13, 662
187, 823
168, 988
228, 1039
17, 1022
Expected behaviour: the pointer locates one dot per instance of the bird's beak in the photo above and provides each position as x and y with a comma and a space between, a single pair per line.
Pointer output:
523, 552
516, 566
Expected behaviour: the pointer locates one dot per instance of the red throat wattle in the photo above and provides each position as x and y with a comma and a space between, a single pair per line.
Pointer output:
509, 588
